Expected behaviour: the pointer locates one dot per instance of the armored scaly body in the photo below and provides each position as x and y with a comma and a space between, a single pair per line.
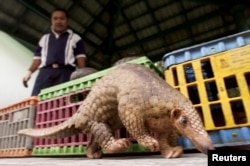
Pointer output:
135, 97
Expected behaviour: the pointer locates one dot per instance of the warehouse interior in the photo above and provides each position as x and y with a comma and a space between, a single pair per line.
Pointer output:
114, 29
190, 80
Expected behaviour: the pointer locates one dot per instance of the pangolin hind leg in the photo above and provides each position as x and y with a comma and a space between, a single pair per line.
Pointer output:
103, 134
168, 144
94, 150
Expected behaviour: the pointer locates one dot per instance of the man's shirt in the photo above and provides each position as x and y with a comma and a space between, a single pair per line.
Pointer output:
59, 49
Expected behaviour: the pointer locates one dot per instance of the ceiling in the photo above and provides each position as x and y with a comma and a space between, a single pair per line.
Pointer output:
113, 29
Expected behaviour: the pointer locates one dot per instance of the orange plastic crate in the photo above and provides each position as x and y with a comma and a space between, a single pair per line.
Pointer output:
12, 119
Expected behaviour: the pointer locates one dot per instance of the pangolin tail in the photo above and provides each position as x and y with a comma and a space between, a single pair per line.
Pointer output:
59, 131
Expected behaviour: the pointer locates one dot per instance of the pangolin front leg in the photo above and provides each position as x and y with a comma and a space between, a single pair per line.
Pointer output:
104, 136
168, 144
134, 124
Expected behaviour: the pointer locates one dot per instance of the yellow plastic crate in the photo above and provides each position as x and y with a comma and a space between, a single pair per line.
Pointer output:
218, 85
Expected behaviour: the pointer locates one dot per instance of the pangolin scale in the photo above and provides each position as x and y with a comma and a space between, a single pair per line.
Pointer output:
134, 97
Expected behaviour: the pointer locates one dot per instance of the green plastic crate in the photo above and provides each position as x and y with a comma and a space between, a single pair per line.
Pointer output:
89, 80
79, 150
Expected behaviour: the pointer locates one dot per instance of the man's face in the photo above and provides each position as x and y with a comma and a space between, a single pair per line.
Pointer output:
59, 21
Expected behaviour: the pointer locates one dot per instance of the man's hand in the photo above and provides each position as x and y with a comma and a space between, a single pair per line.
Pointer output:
26, 78
82, 72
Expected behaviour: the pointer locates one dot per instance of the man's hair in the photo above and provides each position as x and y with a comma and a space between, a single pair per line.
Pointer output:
60, 10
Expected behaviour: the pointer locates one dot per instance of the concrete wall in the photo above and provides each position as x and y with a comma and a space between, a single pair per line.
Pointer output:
14, 62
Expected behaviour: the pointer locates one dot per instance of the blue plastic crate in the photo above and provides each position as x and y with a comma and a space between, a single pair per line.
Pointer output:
235, 135
222, 138
208, 48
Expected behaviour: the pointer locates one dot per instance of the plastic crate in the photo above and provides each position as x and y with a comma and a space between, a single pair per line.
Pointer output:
222, 138
88, 81
56, 110
208, 48
218, 85
78, 150
12, 119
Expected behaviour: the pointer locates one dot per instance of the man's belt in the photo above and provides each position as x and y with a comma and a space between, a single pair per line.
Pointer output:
56, 66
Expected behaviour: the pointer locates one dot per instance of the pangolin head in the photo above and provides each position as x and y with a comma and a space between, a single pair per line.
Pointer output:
188, 123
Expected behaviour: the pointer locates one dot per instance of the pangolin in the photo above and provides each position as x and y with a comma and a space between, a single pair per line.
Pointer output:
134, 97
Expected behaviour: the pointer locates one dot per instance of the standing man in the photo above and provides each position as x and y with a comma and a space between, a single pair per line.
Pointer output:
56, 55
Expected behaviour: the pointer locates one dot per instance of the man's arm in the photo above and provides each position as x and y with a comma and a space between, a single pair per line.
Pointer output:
81, 63
79, 52
33, 67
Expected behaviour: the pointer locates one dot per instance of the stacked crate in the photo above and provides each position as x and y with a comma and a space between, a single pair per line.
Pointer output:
57, 104
13, 118
216, 77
